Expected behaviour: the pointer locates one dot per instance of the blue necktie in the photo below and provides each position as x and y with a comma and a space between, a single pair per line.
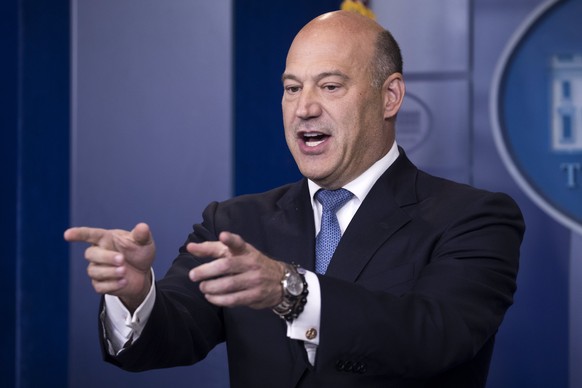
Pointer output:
330, 233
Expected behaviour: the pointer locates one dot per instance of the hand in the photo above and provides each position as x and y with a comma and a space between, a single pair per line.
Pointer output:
240, 275
119, 261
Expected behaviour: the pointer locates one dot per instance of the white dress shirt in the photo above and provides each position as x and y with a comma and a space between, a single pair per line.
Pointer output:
121, 328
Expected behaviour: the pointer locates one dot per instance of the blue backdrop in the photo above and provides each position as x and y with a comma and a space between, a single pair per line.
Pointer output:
177, 103
34, 155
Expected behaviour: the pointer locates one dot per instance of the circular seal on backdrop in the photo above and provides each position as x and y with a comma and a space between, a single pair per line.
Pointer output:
536, 109
413, 124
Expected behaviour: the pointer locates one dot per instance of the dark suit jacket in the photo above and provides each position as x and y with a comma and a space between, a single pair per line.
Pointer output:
413, 297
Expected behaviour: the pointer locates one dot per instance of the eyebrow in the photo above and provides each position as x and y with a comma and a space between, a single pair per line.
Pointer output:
318, 77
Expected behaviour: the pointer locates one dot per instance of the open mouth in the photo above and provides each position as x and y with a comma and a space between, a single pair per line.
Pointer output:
313, 139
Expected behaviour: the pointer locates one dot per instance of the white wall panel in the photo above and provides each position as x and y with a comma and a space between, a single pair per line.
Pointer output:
434, 35
151, 142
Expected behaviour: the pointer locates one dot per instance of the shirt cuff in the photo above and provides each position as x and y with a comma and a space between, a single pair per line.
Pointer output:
121, 328
306, 326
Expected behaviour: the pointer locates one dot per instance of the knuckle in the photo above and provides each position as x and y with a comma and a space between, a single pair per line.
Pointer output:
223, 251
89, 253
232, 300
225, 265
227, 284
93, 271
99, 287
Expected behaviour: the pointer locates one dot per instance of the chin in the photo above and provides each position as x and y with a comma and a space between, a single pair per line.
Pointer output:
310, 175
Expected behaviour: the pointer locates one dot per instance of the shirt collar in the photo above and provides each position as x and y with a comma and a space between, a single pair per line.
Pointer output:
362, 185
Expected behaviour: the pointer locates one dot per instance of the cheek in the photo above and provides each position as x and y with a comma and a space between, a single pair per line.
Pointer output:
287, 124
289, 139
285, 109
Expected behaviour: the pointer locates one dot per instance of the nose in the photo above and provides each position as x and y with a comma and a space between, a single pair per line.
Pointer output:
308, 105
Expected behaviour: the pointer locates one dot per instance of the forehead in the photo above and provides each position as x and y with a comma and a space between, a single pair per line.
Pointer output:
329, 50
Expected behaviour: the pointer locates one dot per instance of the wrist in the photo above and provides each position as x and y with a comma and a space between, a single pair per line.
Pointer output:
135, 299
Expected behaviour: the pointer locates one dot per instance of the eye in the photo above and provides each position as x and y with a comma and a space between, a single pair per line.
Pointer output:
292, 89
331, 87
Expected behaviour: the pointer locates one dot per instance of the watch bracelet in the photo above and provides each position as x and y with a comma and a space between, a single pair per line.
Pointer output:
290, 308
297, 307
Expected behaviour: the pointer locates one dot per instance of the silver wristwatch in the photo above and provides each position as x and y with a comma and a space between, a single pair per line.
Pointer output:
294, 293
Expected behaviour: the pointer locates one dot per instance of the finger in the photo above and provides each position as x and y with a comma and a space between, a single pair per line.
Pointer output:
108, 287
103, 273
103, 256
251, 298
234, 242
141, 234
214, 249
89, 235
258, 287
223, 285
214, 269
227, 300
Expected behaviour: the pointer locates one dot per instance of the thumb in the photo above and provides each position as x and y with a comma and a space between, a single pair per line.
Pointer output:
141, 234
234, 242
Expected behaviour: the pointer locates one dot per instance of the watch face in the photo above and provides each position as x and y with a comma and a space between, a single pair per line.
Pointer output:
294, 284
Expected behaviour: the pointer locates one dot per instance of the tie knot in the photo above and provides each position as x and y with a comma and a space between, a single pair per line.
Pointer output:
332, 200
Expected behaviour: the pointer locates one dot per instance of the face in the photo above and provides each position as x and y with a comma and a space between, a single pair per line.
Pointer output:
334, 119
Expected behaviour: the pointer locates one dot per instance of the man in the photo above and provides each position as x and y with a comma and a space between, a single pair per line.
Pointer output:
414, 293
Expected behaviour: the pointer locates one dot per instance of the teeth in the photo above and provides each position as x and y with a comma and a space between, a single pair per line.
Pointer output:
313, 139
313, 143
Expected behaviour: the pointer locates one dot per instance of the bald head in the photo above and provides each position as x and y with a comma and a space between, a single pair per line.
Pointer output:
343, 22
359, 34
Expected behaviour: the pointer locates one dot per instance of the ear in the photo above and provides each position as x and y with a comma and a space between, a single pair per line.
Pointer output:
393, 91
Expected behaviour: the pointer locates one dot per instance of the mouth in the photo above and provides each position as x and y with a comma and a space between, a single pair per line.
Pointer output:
313, 139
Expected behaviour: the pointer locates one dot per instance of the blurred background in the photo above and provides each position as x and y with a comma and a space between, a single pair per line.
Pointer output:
121, 111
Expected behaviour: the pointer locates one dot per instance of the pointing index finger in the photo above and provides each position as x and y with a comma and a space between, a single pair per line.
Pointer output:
89, 235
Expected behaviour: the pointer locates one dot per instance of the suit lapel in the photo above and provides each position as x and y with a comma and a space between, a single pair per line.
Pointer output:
291, 230
291, 237
377, 219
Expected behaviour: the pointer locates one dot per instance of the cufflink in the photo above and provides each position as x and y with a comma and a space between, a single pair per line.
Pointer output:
311, 334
